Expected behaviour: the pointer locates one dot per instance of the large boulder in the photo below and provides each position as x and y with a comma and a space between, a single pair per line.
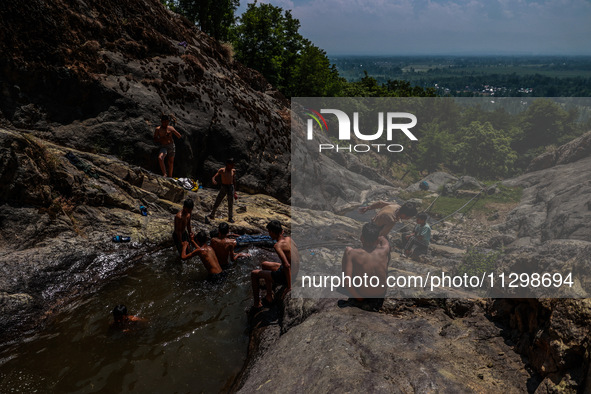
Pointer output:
332, 181
555, 203
405, 349
568, 153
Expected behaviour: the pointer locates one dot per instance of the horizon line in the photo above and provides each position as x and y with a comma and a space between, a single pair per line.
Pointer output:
458, 55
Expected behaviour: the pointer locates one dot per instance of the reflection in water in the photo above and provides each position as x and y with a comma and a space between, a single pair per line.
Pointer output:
196, 339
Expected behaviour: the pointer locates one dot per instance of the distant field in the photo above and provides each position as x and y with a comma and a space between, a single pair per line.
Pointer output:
436, 70
544, 76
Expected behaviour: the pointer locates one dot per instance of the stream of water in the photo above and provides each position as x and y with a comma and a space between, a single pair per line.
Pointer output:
196, 339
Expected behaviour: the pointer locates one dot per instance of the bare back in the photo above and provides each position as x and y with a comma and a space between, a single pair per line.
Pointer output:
227, 176
182, 222
209, 259
287, 247
223, 248
374, 263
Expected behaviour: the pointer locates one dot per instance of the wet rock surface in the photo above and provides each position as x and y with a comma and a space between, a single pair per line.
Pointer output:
58, 221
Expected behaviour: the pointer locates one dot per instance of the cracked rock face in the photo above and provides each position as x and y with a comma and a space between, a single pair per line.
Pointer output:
555, 202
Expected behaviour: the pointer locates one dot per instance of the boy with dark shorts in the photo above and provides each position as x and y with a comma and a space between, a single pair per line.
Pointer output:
163, 137
227, 175
372, 260
276, 273
389, 214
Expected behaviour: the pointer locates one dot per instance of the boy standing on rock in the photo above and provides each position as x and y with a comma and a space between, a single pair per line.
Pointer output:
276, 273
163, 137
228, 188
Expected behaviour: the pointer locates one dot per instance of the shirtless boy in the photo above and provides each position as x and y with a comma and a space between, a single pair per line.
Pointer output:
272, 272
206, 254
163, 137
388, 214
182, 225
224, 246
228, 188
371, 259
123, 321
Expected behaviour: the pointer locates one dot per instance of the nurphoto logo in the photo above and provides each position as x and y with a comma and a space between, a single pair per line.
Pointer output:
391, 119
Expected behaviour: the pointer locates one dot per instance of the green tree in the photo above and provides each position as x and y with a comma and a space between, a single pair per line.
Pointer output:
545, 123
214, 17
267, 39
369, 87
434, 149
313, 74
399, 88
485, 152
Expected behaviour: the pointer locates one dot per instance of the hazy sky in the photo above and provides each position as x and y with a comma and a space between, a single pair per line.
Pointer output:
403, 27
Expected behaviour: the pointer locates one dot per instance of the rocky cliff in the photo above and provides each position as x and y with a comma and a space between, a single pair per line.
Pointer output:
92, 78
95, 76
556, 202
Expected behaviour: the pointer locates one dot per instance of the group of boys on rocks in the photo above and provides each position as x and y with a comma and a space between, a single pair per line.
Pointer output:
220, 254
372, 258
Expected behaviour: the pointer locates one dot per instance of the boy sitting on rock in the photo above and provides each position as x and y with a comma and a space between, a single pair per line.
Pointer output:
418, 242
276, 273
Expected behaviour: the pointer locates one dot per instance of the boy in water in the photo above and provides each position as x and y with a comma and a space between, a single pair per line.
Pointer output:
182, 225
206, 254
418, 243
228, 188
224, 246
163, 137
122, 320
389, 214
272, 272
